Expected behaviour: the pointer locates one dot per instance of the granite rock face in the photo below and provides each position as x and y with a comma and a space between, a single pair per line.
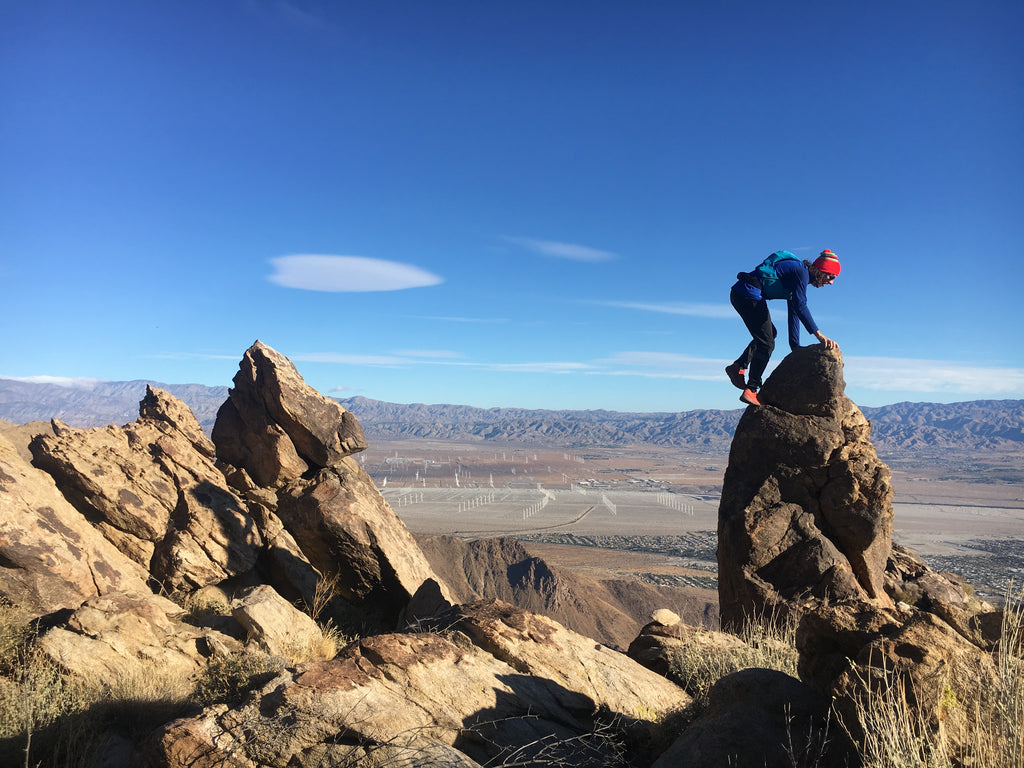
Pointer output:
51, 557
156, 505
806, 506
492, 683
805, 534
153, 490
276, 427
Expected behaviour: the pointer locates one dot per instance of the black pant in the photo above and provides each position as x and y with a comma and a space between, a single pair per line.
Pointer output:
758, 320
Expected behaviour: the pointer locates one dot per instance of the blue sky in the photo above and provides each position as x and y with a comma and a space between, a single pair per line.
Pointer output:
539, 204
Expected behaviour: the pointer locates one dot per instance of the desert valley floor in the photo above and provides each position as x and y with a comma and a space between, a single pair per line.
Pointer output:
651, 513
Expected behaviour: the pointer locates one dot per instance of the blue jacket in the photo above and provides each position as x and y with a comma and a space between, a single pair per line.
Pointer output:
794, 276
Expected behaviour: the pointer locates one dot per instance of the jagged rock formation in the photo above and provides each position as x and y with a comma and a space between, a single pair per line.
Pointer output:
491, 683
274, 506
276, 427
152, 489
256, 519
50, 556
805, 527
806, 507
273, 498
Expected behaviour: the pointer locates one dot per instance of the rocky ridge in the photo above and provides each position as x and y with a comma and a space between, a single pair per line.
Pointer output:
104, 525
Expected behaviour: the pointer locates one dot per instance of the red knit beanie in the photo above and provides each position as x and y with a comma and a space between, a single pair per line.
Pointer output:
827, 262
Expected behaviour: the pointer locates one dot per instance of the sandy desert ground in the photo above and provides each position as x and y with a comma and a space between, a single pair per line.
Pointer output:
651, 513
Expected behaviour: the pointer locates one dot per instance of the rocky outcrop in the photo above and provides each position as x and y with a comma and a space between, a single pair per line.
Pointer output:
274, 499
806, 507
50, 556
805, 528
153, 490
276, 427
494, 684
133, 635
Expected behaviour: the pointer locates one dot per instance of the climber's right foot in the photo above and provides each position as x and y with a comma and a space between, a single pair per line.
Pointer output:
749, 397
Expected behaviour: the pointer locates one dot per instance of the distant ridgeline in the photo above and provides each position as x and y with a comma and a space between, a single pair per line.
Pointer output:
979, 426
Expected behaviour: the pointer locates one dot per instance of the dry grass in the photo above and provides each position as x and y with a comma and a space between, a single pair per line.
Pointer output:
698, 664
49, 718
989, 722
988, 731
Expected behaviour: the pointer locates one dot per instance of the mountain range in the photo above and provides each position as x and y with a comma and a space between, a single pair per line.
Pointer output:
979, 426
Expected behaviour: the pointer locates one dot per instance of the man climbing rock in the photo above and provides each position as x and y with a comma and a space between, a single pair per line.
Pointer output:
781, 276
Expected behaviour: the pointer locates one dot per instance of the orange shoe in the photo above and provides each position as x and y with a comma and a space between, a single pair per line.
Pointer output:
749, 397
736, 374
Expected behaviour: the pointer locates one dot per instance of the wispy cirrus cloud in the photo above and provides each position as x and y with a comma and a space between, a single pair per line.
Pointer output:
663, 365
70, 382
448, 319
398, 358
939, 376
560, 250
430, 354
315, 272
540, 367
692, 309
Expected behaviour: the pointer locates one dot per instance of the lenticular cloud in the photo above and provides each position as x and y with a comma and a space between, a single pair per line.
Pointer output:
347, 273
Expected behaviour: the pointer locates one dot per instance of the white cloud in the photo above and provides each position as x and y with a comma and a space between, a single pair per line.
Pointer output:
347, 274
463, 319
439, 354
674, 360
664, 365
542, 367
341, 359
569, 251
715, 311
907, 374
71, 382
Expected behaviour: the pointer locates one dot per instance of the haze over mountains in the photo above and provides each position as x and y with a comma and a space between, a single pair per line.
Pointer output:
976, 426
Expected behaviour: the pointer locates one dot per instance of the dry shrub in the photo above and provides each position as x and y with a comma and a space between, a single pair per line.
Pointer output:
51, 717
227, 679
991, 730
768, 643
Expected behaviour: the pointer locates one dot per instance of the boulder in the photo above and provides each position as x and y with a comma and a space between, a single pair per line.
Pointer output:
277, 427
154, 491
351, 536
911, 581
499, 684
859, 655
661, 642
287, 449
760, 718
276, 626
805, 533
538, 646
50, 557
806, 508
129, 637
